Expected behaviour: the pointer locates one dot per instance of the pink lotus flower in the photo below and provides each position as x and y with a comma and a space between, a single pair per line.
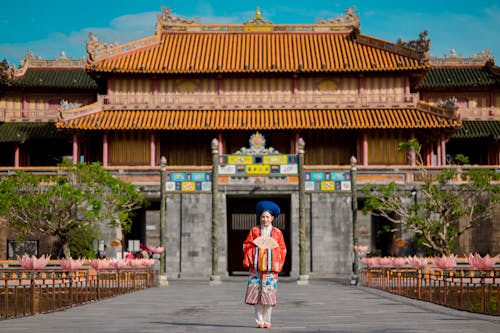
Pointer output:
32, 263
134, 262
71, 264
445, 262
158, 249
417, 262
398, 262
118, 263
99, 264
147, 262
481, 263
369, 261
385, 261
360, 249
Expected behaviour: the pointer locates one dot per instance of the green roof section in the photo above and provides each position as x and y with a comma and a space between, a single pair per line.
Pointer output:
67, 78
22, 131
472, 76
475, 129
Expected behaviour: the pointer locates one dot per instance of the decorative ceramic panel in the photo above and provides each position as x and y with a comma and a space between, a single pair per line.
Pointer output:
327, 181
188, 181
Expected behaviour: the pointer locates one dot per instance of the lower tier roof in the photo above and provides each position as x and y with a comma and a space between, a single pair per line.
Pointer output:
287, 119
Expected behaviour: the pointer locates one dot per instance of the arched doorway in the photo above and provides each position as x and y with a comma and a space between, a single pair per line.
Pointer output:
241, 217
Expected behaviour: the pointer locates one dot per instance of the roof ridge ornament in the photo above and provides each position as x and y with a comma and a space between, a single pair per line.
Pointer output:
449, 103
349, 18
5, 70
258, 19
421, 45
93, 46
257, 143
67, 105
166, 17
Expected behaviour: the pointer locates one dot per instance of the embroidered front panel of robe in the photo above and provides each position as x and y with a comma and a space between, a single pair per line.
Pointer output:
262, 288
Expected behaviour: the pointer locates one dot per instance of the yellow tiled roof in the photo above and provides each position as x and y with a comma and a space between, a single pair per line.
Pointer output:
258, 119
247, 52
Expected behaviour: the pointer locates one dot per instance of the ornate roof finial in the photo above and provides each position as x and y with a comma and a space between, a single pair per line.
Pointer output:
258, 18
257, 14
167, 17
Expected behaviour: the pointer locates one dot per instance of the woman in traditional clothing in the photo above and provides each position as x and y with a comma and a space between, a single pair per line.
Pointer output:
264, 253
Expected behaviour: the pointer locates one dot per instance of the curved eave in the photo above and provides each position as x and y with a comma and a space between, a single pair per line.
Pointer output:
316, 119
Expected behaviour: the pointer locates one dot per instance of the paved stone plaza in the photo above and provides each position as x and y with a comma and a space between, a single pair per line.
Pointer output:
194, 306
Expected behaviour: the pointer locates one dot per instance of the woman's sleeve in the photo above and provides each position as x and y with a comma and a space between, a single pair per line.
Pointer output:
282, 245
248, 251
279, 253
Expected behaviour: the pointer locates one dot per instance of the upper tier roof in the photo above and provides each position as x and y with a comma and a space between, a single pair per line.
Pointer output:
453, 71
472, 76
185, 46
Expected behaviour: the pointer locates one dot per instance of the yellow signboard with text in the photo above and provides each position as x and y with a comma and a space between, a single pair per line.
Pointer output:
275, 159
239, 159
258, 169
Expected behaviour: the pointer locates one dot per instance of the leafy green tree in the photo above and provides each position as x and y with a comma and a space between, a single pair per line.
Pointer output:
82, 240
79, 196
450, 202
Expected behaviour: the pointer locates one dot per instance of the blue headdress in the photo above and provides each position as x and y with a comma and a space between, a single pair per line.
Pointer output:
267, 206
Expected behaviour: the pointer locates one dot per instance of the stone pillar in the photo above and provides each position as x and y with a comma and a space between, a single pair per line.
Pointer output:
303, 277
215, 277
163, 221
354, 204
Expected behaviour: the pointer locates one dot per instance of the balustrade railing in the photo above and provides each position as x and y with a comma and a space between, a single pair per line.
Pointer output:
460, 288
400, 174
38, 115
257, 100
25, 293
480, 113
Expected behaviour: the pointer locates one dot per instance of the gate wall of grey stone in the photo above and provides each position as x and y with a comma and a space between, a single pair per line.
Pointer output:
196, 206
188, 232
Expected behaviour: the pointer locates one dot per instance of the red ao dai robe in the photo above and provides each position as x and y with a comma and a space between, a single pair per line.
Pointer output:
264, 266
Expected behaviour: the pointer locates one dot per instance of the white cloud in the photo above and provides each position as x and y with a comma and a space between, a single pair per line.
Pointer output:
122, 29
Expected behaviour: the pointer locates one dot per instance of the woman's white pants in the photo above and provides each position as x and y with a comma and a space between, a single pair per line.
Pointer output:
263, 314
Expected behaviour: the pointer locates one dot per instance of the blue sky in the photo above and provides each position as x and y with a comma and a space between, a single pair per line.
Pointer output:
48, 27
